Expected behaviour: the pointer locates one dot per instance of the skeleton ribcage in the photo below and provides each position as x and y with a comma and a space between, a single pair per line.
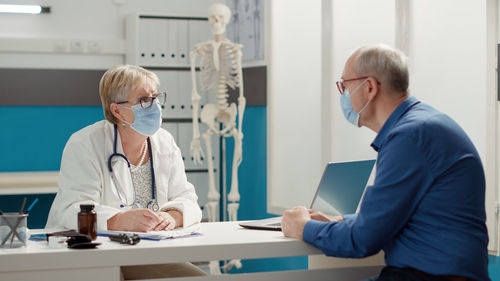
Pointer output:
228, 67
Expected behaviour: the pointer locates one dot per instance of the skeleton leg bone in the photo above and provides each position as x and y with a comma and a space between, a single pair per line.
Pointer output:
214, 268
232, 263
213, 194
234, 195
212, 211
232, 211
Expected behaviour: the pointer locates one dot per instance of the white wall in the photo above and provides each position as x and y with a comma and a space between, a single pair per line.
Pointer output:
294, 91
355, 23
303, 133
452, 67
449, 69
91, 20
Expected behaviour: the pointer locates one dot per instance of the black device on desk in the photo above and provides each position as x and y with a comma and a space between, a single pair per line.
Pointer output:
76, 240
123, 238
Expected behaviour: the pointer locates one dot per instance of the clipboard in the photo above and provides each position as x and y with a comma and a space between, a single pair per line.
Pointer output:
159, 235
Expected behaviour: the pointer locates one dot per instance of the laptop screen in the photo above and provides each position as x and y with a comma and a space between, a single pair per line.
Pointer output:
342, 186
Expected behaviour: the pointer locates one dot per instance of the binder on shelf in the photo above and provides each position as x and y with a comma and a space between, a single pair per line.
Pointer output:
184, 88
182, 42
161, 37
172, 42
146, 42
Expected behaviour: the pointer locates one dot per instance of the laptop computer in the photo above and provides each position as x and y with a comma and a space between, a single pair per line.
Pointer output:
339, 192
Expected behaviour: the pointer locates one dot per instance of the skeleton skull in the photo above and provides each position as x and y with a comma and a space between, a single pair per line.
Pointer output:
218, 17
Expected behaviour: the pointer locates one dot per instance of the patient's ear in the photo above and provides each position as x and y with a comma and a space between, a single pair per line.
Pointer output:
373, 87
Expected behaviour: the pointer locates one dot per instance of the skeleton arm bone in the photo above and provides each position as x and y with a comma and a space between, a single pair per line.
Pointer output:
241, 97
196, 150
241, 104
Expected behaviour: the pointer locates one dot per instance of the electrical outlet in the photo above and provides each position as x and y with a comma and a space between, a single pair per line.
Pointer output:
93, 47
60, 46
77, 46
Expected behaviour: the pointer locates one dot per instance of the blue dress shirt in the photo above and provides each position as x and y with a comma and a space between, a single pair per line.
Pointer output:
426, 207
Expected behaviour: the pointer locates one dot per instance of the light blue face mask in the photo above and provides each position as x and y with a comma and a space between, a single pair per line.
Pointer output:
147, 120
349, 113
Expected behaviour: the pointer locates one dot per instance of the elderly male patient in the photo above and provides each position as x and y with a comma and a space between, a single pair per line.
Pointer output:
425, 209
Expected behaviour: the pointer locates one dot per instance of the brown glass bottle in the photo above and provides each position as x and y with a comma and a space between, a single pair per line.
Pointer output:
87, 220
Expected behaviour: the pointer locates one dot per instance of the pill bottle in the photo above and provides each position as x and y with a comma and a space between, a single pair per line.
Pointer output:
87, 220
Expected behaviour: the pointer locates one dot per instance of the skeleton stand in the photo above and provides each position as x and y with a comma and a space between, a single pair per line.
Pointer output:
220, 66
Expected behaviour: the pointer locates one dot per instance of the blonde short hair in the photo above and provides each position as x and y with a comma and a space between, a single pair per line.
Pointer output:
117, 83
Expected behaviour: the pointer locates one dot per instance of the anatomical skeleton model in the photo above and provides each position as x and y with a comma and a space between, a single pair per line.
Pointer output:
220, 67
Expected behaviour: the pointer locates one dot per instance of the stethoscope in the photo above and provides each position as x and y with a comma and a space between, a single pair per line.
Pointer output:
153, 204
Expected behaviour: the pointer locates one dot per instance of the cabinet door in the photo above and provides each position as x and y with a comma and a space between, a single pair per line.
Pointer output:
171, 127
185, 137
185, 85
169, 84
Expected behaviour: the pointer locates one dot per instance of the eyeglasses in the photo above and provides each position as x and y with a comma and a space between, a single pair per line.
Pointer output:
147, 102
341, 83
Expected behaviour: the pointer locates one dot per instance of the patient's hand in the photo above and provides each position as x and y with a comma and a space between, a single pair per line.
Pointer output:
141, 220
294, 221
319, 216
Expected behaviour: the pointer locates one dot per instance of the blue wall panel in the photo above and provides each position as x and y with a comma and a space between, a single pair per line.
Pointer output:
33, 137
252, 173
252, 178
37, 217
494, 267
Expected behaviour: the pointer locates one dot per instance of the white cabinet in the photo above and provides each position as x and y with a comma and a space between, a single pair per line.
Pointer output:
162, 45
163, 41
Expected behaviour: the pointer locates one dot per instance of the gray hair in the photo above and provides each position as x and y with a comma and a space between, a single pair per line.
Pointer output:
388, 65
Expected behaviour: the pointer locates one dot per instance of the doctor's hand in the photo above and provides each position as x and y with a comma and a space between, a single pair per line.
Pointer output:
320, 216
293, 222
169, 220
141, 220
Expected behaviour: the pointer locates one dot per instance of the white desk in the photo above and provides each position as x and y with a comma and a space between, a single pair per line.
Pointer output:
219, 241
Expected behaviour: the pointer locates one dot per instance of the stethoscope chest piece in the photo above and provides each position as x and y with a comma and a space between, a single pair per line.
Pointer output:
153, 205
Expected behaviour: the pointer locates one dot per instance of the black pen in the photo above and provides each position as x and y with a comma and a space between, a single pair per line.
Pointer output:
21, 211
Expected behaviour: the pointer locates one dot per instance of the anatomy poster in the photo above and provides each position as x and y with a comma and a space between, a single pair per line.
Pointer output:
247, 27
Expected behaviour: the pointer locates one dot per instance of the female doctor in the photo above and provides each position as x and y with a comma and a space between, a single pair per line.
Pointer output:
126, 165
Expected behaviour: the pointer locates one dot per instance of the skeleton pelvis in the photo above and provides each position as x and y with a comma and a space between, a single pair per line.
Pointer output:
211, 114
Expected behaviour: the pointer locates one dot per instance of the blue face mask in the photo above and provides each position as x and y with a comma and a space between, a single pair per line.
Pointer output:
147, 120
349, 113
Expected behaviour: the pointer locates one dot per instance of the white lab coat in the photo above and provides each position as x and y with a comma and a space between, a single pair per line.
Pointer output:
85, 178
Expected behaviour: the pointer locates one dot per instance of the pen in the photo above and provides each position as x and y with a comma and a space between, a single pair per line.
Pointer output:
31, 206
21, 211
14, 230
